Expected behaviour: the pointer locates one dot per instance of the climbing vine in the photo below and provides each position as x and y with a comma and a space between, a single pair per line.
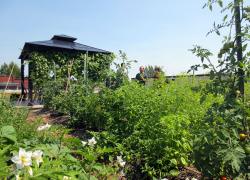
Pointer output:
62, 65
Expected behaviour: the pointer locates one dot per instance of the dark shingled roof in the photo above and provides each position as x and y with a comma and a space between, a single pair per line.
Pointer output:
58, 43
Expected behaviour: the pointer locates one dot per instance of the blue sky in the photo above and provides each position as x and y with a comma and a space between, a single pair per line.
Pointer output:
154, 32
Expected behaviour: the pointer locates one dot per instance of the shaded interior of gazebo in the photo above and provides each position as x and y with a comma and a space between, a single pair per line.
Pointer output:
58, 43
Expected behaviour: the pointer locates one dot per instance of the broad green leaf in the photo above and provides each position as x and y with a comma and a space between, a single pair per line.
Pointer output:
174, 172
183, 161
8, 132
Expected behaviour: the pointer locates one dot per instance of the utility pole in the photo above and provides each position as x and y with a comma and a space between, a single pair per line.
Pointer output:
241, 73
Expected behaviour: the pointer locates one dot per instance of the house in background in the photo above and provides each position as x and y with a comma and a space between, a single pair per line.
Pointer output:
12, 85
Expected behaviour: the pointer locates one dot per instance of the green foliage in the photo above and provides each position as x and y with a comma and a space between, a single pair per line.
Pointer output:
6, 69
218, 148
118, 77
16, 118
84, 107
228, 74
60, 159
50, 66
150, 71
154, 125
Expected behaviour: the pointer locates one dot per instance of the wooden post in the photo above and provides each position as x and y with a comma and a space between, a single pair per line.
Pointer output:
241, 73
22, 76
30, 84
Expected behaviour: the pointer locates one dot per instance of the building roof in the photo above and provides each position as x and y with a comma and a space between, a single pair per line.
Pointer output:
59, 43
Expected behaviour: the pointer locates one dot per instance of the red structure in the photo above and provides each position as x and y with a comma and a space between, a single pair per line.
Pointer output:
12, 83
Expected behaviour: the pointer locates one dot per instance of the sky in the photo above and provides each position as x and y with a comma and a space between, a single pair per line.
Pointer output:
153, 32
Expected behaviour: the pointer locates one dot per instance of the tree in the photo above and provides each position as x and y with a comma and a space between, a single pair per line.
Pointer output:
150, 71
11, 68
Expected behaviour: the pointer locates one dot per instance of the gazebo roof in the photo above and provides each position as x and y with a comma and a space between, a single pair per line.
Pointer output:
58, 43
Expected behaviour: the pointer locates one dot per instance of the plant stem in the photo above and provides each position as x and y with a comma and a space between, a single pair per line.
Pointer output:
239, 46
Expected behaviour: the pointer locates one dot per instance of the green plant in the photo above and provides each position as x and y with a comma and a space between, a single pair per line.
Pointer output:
45, 153
218, 148
155, 124
50, 66
15, 117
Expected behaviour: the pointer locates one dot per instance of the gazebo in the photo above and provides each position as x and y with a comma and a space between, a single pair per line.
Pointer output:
58, 43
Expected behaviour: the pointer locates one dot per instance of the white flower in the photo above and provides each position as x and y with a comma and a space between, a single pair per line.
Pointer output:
83, 143
22, 159
120, 161
37, 155
44, 127
30, 171
92, 142
164, 179
122, 174
96, 90
194, 178
73, 78
66, 178
18, 177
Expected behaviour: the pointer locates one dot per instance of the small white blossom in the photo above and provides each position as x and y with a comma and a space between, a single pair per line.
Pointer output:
66, 177
44, 127
84, 143
30, 171
37, 155
73, 78
92, 142
96, 89
18, 177
22, 159
164, 179
120, 161
194, 178
122, 174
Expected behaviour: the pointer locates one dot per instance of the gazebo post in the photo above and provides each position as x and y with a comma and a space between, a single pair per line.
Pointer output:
85, 66
30, 84
22, 77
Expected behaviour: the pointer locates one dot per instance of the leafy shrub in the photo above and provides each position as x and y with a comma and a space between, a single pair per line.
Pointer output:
218, 148
155, 125
15, 117
84, 107
59, 159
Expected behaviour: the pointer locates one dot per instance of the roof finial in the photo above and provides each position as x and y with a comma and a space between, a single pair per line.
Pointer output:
64, 38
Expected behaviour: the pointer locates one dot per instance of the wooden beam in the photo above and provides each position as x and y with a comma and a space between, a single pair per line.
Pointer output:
30, 84
22, 76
